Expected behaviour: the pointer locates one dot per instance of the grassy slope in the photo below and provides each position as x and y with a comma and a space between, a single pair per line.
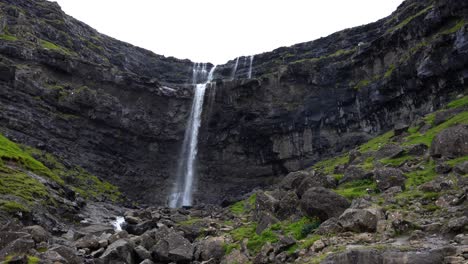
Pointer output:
19, 190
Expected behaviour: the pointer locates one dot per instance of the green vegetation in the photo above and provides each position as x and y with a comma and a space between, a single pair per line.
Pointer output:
9, 151
244, 206
389, 71
228, 248
8, 37
298, 229
409, 19
309, 241
418, 177
335, 54
377, 142
459, 102
190, 221
255, 242
52, 46
33, 260
426, 138
396, 161
12, 206
328, 166
361, 84
356, 189
14, 182
455, 28
457, 161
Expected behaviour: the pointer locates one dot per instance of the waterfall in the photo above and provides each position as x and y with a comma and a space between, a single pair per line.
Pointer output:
233, 75
250, 67
185, 179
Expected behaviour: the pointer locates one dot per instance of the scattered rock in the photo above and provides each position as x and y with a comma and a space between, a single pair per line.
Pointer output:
451, 142
389, 151
323, 203
358, 220
389, 177
121, 251
353, 173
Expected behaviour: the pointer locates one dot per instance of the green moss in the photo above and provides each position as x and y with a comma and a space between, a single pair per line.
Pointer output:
255, 242
12, 152
298, 229
377, 142
190, 221
455, 162
368, 164
22, 185
455, 28
243, 206
389, 71
459, 102
8, 37
355, 189
361, 84
33, 260
228, 248
426, 138
309, 241
409, 19
13, 207
328, 166
52, 46
418, 177
396, 161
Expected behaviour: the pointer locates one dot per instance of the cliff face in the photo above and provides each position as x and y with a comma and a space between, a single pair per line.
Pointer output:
120, 111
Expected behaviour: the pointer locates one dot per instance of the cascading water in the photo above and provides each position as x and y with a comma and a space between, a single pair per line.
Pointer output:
250, 67
233, 74
183, 188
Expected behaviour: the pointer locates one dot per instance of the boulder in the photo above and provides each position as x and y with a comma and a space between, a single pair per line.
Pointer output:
417, 149
140, 228
265, 220
389, 151
142, 253
235, 257
172, 246
330, 226
264, 202
389, 177
358, 220
15, 243
451, 142
353, 173
119, 252
293, 180
323, 203
67, 253
210, 248
287, 206
89, 241
38, 233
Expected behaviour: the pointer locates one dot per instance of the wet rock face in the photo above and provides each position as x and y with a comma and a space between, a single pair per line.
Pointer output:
120, 111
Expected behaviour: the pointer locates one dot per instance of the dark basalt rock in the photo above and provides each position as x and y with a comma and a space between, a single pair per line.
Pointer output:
323, 203
120, 111
451, 142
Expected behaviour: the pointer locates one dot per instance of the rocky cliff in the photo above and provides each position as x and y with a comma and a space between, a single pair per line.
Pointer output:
120, 111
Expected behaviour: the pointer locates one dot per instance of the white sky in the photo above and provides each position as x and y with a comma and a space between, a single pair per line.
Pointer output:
219, 30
